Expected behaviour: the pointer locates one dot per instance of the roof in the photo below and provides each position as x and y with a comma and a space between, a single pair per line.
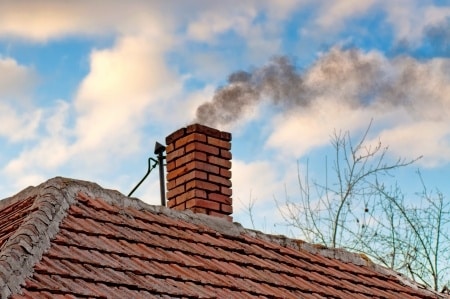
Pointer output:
73, 239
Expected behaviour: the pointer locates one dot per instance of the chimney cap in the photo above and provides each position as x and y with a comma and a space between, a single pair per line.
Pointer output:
159, 148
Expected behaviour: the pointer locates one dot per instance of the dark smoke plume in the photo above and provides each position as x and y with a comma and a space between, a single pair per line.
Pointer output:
348, 77
278, 81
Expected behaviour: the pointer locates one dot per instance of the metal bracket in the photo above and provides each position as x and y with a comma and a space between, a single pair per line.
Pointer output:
150, 168
159, 150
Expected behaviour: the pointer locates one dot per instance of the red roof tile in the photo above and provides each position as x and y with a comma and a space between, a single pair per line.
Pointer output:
13, 216
72, 239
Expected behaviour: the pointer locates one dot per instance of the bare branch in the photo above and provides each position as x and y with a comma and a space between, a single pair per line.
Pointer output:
353, 209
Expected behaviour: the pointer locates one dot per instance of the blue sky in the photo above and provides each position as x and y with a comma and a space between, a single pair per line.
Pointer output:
87, 87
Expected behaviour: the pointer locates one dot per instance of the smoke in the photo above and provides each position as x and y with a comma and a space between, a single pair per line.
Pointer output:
278, 81
348, 76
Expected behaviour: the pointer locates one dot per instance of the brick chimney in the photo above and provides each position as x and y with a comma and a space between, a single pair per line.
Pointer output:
198, 171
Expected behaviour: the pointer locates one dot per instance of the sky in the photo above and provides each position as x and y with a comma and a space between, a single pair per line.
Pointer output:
88, 87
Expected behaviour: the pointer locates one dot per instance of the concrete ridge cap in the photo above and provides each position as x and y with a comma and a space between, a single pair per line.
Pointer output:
59, 193
25, 246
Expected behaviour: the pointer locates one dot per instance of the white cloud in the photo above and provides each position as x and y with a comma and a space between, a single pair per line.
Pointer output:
50, 151
44, 20
117, 97
211, 65
19, 120
296, 134
189, 105
18, 126
113, 103
257, 185
48, 19
16, 80
333, 15
429, 139
212, 24
26, 180
405, 97
253, 181
130, 85
410, 19
434, 15
216, 17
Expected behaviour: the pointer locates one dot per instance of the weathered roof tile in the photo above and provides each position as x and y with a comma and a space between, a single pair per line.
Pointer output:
80, 240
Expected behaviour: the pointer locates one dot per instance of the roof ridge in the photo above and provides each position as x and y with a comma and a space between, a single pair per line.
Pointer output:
25, 246
235, 229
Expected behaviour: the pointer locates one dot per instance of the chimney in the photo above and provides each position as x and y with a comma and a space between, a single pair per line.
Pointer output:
198, 171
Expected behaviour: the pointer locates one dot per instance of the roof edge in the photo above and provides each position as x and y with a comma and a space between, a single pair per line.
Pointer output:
343, 255
26, 246
54, 197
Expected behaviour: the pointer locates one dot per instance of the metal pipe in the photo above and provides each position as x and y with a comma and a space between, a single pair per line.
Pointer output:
161, 178
159, 150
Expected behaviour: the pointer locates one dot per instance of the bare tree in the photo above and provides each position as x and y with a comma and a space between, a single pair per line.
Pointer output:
352, 208
419, 244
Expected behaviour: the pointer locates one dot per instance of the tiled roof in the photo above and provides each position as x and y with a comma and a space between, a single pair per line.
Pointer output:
12, 216
73, 239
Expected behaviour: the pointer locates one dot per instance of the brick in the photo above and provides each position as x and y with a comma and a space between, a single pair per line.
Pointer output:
219, 143
206, 167
225, 173
219, 161
203, 129
170, 185
175, 154
188, 176
192, 156
225, 154
177, 172
181, 199
170, 148
220, 198
194, 174
190, 138
202, 203
175, 135
171, 203
196, 137
199, 170
227, 209
197, 184
194, 193
193, 165
226, 191
219, 180
225, 136
202, 147
175, 191
170, 166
